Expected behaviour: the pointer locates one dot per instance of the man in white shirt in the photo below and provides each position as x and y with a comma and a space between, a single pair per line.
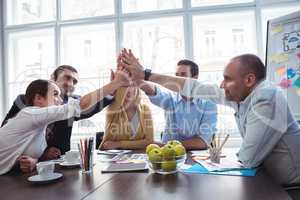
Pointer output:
271, 135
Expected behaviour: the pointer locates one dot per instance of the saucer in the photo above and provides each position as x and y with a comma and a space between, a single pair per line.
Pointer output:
40, 179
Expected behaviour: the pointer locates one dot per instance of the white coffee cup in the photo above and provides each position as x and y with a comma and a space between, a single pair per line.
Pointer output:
45, 168
72, 156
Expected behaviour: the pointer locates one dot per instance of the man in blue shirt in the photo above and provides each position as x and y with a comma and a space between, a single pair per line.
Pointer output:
189, 120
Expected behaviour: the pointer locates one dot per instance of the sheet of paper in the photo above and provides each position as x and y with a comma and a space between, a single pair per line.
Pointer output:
277, 29
280, 71
285, 83
297, 82
291, 73
279, 58
225, 164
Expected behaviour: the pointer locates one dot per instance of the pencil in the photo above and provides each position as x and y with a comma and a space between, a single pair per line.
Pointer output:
223, 143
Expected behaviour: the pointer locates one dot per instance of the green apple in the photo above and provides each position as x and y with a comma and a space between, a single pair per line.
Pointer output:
150, 147
168, 152
174, 142
179, 150
155, 157
168, 166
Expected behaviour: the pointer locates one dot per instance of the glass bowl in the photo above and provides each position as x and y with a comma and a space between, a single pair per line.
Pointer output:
167, 166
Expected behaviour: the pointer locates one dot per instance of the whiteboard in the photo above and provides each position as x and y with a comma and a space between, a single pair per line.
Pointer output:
283, 58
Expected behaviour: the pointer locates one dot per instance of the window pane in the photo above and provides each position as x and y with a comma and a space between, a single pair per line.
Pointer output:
72, 9
274, 12
218, 37
30, 11
130, 6
159, 44
198, 3
91, 50
24, 64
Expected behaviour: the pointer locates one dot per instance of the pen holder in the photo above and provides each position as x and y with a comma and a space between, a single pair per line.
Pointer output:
215, 155
86, 154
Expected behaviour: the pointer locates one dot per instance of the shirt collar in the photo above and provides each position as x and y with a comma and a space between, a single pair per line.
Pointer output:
180, 98
256, 88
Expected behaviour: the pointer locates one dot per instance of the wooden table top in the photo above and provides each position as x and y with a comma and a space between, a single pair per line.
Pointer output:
141, 186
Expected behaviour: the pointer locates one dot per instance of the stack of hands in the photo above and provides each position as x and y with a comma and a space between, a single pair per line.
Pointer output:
129, 73
129, 70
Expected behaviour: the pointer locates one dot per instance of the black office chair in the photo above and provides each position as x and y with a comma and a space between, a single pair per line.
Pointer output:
99, 138
293, 190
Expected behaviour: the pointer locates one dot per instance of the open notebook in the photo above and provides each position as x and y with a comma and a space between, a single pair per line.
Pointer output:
126, 167
128, 163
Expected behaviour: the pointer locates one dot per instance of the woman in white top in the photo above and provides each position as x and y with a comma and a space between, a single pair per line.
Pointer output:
22, 139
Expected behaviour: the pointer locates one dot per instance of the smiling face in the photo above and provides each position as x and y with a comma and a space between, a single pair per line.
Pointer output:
51, 99
66, 81
53, 95
131, 97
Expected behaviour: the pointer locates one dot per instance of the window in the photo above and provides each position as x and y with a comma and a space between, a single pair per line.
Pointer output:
218, 37
90, 48
159, 44
73, 9
217, 2
30, 11
40, 35
26, 65
130, 6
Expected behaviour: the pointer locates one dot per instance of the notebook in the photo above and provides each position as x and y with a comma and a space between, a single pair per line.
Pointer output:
126, 167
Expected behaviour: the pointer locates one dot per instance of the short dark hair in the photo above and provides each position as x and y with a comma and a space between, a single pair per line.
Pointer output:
193, 66
39, 87
252, 63
61, 68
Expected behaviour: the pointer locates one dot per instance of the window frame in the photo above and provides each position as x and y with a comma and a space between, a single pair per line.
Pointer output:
118, 19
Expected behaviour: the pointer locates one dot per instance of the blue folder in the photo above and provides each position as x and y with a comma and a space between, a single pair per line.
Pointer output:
199, 169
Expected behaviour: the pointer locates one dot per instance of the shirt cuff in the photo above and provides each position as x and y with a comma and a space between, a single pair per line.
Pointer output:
109, 97
157, 94
188, 87
74, 107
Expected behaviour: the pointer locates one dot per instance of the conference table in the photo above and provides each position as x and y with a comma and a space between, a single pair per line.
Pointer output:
141, 186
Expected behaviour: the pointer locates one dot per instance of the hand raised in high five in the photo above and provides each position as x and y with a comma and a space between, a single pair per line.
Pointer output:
132, 65
121, 77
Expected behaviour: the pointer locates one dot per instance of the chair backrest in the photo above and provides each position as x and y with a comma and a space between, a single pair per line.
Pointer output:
99, 137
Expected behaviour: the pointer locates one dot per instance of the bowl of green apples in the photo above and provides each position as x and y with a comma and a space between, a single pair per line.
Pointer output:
166, 159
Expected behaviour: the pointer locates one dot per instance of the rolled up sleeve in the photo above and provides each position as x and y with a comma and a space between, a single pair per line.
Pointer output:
163, 99
212, 92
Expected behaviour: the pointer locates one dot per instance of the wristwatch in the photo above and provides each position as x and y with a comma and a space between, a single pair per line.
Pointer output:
147, 74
